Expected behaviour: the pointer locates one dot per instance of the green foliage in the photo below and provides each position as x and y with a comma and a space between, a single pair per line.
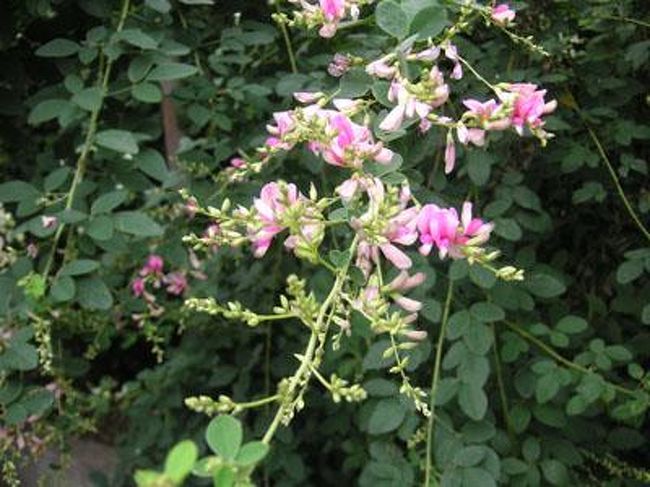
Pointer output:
541, 383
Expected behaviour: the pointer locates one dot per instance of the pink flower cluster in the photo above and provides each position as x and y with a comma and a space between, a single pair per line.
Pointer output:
502, 14
152, 273
327, 13
328, 133
281, 206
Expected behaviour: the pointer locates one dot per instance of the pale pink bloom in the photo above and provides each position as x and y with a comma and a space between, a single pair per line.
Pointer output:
404, 282
381, 69
347, 189
430, 54
237, 162
153, 265
442, 227
339, 65
489, 114
451, 53
473, 135
176, 283
307, 97
450, 153
270, 207
425, 125
346, 105
408, 304
502, 14
401, 229
32, 250
49, 221
529, 106
191, 207
137, 287
408, 105
367, 256
416, 335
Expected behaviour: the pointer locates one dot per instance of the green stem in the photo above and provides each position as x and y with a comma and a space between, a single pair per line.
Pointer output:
501, 385
614, 176
624, 19
287, 43
559, 358
80, 170
434, 382
258, 403
478, 75
302, 373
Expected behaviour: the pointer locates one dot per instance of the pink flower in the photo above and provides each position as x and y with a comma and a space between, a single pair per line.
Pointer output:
137, 287
502, 14
408, 304
176, 283
307, 96
441, 227
475, 136
154, 265
529, 106
339, 65
270, 206
450, 153
237, 163
404, 282
381, 69
332, 9
49, 221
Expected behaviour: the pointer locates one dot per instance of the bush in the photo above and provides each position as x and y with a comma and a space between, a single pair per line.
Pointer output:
134, 149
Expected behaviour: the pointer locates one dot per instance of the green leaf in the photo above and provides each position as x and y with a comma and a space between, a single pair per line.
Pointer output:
150, 162
629, 271
162, 6
547, 387
572, 324
13, 191
252, 453
180, 461
100, 228
93, 294
146, 92
47, 110
473, 401
56, 178
224, 436
108, 202
645, 315
58, 48
137, 38
387, 416
63, 289
508, 229
478, 338
339, 258
431, 310
146, 478
136, 223
171, 71
79, 267
392, 19
225, 477
355, 83
429, 22
117, 140
487, 312
555, 472
89, 99
544, 285
19, 356
482, 277
469, 456
37, 401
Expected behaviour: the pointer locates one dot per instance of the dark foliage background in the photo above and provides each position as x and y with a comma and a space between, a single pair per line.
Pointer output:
562, 361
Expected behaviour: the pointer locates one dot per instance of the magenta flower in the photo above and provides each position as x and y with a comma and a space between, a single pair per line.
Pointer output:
137, 287
154, 265
270, 206
237, 163
339, 65
441, 227
502, 14
529, 106
176, 283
